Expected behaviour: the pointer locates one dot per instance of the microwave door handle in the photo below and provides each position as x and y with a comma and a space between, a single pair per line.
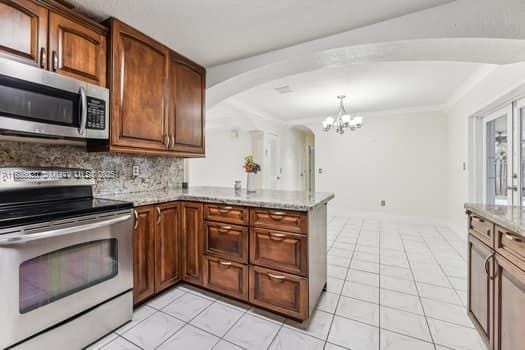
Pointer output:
20, 238
83, 111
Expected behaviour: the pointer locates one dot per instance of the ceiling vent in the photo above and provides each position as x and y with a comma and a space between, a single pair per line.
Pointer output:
285, 89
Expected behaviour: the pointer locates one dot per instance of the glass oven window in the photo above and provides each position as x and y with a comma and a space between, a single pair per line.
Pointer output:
24, 100
60, 273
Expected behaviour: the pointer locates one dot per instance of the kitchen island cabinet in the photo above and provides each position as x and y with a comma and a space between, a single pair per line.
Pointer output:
267, 249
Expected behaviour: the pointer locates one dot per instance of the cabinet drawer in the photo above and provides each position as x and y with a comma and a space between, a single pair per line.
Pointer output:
280, 292
279, 250
226, 277
481, 228
291, 221
226, 241
511, 246
227, 213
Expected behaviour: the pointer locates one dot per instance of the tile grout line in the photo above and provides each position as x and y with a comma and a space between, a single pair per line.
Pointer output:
417, 289
346, 275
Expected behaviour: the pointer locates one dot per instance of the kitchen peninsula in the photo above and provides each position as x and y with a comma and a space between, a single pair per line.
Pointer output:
267, 248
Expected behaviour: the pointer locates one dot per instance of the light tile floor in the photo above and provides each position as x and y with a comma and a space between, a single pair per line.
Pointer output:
391, 286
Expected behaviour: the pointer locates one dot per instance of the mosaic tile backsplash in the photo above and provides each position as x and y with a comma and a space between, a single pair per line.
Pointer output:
156, 173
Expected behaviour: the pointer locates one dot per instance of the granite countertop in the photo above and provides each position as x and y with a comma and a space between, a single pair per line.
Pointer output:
510, 217
291, 200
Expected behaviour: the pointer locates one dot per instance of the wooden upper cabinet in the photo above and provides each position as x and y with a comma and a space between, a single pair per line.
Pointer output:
192, 242
23, 31
144, 254
76, 50
187, 97
167, 246
139, 77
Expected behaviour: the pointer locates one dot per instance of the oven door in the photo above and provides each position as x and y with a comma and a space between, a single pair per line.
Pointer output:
52, 273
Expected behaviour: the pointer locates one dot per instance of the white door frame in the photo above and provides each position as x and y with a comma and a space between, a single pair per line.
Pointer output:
508, 112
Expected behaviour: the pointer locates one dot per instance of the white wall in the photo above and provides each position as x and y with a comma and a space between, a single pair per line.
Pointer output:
397, 158
224, 159
492, 88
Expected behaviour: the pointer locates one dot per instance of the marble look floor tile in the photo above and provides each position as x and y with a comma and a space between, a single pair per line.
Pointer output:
353, 335
330, 346
338, 260
252, 332
454, 336
394, 341
266, 315
192, 338
288, 339
365, 266
447, 312
153, 331
361, 291
405, 323
398, 285
187, 306
397, 272
166, 298
447, 295
402, 301
224, 345
337, 271
102, 342
120, 344
317, 326
328, 302
359, 310
139, 314
370, 279
217, 319
334, 285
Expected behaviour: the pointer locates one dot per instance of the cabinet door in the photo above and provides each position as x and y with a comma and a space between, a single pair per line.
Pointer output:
192, 247
144, 254
509, 306
167, 246
76, 50
187, 86
480, 291
139, 76
23, 31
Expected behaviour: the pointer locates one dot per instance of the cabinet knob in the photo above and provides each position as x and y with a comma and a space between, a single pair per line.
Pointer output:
158, 216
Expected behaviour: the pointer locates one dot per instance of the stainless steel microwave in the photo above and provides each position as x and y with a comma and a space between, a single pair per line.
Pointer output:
40, 103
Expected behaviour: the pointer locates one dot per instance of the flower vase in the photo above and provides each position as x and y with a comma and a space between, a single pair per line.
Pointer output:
251, 183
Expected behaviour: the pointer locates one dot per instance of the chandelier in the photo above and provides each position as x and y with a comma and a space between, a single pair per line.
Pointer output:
343, 120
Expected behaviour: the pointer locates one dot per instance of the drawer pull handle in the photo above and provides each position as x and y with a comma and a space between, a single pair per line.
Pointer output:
277, 215
225, 263
477, 218
136, 219
225, 228
159, 216
276, 277
225, 209
486, 264
513, 238
277, 236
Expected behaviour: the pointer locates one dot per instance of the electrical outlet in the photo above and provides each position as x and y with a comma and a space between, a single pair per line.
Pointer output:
320, 170
464, 166
136, 170
383, 203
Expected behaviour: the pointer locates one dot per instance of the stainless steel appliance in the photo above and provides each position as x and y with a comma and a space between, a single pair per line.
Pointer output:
41, 103
66, 270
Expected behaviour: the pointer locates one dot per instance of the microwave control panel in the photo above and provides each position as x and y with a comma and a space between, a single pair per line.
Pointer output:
96, 113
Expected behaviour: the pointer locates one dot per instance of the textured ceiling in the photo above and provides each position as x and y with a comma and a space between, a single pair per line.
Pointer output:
218, 31
369, 87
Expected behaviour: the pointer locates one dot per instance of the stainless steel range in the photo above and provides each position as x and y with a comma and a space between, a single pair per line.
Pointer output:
66, 270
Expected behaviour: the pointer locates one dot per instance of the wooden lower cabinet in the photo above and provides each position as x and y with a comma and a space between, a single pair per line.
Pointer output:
192, 247
143, 254
226, 277
509, 305
226, 241
167, 246
480, 291
281, 292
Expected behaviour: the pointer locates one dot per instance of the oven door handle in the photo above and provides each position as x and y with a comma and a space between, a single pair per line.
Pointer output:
20, 238
83, 112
